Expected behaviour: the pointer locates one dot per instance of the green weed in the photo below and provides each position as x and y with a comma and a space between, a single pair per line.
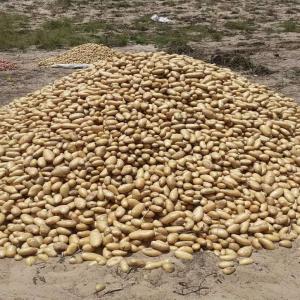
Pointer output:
203, 31
64, 4
94, 26
13, 31
241, 62
290, 26
240, 25
114, 39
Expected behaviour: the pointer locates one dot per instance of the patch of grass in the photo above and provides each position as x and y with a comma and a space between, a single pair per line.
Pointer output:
65, 33
271, 12
179, 48
240, 25
169, 3
57, 37
292, 11
290, 26
13, 31
60, 24
206, 3
140, 38
58, 33
241, 62
13, 21
63, 4
124, 4
143, 23
119, 4
144, 31
165, 34
164, 39
94, 27
269, 30
204, 31
114, 39
287, 2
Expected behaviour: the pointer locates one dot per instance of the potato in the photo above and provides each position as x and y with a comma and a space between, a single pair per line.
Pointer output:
246, 261
100, 287
183, 255
146, 154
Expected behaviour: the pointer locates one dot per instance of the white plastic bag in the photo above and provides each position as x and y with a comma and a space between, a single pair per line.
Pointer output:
71, 66
159, 19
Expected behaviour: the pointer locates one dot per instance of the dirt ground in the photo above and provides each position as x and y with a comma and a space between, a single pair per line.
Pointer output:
28, 76
274, 275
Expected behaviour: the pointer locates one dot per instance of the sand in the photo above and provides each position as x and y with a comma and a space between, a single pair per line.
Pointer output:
273, 276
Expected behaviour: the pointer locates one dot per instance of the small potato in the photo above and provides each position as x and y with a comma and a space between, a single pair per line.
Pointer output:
114, 261
228, 257
183, 255
225, 264
124, 266
229, 270
24, 252
95, 238
151, 252
267, 244
136, 262
100, 287
160, 246
142, 235
87, 256
286, 244
245, 251
30, 260
246, 261
150, 265
168, 267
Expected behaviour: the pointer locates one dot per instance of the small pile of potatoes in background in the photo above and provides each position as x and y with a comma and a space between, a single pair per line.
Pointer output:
83, 54
149, 154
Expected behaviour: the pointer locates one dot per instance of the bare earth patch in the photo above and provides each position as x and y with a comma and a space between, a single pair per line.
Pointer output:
28, 76
274, 275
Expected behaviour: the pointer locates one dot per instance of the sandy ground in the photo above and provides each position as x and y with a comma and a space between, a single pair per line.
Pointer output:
273, 276
28, 76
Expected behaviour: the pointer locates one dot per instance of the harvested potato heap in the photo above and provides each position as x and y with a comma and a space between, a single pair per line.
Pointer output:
83, 54
150, 153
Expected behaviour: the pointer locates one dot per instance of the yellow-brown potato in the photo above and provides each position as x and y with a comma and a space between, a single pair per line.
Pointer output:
152, 155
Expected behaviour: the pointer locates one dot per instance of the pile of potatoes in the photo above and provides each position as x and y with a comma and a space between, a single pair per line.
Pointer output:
82, 54
154, 154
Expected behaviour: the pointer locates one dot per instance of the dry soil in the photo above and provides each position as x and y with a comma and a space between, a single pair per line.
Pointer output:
273, 276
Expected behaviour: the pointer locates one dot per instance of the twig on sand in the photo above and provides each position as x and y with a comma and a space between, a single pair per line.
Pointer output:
186, 289
113, 291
